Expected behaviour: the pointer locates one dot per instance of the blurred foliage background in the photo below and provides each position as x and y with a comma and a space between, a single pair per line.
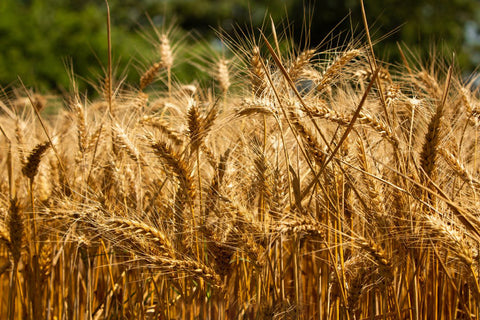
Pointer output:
42, 41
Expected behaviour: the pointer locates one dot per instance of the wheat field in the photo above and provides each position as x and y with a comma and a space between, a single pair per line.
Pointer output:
292, 184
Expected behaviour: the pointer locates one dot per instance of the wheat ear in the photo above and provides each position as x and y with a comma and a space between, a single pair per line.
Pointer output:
189, 266
302, 226
16, 229
30, 169
127, 145
332, 71
257, 75
473, 111
163, 127
309, 139
298, 66
166, 55
82, 135
458, 167
363, 118
153, 235
149, 75
223, 76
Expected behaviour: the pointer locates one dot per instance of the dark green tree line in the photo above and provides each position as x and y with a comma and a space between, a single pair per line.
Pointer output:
38, 38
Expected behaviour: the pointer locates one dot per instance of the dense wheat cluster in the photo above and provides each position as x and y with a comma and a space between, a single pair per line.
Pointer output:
307, 184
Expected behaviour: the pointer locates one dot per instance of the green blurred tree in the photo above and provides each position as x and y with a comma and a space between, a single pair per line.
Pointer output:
38, 37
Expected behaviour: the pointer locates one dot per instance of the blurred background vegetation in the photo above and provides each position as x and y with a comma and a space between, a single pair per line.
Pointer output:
42, 40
